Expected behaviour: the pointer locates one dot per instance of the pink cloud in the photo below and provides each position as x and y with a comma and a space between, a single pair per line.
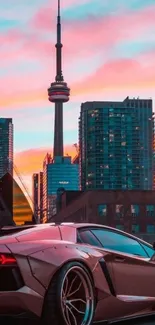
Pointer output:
45, 18
120, 74
94, 34
89, 37
90, 34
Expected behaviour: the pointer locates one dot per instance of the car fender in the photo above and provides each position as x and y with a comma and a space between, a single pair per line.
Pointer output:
45, 263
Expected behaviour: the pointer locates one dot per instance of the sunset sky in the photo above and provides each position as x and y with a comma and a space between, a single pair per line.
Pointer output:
108, 54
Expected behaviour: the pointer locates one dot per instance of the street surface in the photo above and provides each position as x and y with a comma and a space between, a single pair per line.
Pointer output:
144, 321
150, 320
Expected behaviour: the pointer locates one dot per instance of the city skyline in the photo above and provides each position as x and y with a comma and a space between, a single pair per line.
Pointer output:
116, 62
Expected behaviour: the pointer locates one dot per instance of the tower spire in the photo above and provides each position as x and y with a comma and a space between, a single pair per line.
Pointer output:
59, 75
58, 8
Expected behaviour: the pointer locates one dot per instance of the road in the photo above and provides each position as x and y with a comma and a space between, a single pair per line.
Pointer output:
139, 321
144, 321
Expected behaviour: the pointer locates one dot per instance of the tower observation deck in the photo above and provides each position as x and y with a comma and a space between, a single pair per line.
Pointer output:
58, 93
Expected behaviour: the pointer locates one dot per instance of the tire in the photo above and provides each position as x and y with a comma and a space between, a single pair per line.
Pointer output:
72, 281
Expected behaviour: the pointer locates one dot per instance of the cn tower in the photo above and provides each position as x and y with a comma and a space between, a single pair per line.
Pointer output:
58, 93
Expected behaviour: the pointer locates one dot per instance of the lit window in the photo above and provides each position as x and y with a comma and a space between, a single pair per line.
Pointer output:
135, 210
119, 211
102, 210
150, 210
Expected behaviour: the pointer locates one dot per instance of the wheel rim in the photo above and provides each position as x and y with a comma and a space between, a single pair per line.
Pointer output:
77, 297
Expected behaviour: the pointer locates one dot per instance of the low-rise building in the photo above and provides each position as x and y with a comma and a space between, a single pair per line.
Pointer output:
131, 211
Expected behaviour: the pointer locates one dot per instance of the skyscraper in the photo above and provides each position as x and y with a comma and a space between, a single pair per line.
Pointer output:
37, 196
6, 146
35, 180
58, 93
58, 171
40, 197
116, 145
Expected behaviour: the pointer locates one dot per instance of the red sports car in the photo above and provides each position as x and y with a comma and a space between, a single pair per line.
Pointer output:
75, 274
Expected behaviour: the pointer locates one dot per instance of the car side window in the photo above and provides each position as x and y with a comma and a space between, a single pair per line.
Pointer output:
118, 242
150, 251
87, 237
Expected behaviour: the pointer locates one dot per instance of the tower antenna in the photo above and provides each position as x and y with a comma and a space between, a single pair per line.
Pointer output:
58, 7
59, 75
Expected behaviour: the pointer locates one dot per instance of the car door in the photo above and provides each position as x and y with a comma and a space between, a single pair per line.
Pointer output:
86, 236
133, 273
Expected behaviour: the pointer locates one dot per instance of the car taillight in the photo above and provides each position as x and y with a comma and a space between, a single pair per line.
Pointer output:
7, 259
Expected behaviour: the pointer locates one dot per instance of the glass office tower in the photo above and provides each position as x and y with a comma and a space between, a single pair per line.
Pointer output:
6, 162
58, 173
116, 145
6, 146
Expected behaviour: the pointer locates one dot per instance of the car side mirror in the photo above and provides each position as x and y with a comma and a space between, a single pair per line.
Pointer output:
153, 245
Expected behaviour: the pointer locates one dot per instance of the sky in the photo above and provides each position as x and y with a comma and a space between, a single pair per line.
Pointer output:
108, 54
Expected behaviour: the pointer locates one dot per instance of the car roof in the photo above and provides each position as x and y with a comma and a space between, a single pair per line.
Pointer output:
26, 228
93, 225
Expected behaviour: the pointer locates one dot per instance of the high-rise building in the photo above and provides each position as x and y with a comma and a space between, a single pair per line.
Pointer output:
6, 162
58, 93
40, 197
58, 173
116, 145
35, 194
6, 146
6, 200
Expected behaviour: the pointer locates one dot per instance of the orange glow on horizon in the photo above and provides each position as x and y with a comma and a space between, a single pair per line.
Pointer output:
31, 161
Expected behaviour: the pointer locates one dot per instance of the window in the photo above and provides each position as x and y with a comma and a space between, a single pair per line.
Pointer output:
102, 210
135, 210
115, 241
150, 210
150, 229
86, 236
102, 213
135, 228
120, 227
150, 251
119, 211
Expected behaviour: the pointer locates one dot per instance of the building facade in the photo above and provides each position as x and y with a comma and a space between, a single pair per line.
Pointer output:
6, 146
22, 211
116, 145
130, 211
58, 173
35, 193
40, 197
6, 200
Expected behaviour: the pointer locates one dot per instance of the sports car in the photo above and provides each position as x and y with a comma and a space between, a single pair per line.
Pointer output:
75, 274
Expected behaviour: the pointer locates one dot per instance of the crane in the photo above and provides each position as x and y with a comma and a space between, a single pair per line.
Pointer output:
22, 182
76, 158
75, 145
